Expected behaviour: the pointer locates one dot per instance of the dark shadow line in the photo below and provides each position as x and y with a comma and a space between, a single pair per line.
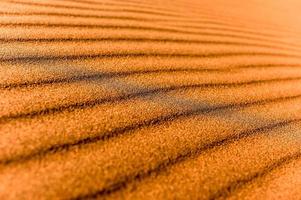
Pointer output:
205, 14
211, 22
236, 185
117, 132
135, 18
207, 21
230, 27
235, 30
188, 26
208, 13
95, 9
37, 58
102, 75
141, 93
74, 15
144, 40
183, 157
126, 39
245, 181
148, 7
141, 28
93, 3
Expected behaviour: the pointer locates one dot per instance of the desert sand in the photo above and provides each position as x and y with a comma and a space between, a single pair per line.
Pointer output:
159, 99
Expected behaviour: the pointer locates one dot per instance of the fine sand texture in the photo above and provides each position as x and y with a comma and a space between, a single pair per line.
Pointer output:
150, 99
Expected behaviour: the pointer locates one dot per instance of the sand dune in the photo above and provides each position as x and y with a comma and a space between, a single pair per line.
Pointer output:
113, 99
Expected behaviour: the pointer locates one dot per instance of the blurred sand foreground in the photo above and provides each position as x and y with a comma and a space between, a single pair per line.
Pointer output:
158, 99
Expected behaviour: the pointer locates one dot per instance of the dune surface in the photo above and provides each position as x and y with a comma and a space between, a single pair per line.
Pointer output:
159, 99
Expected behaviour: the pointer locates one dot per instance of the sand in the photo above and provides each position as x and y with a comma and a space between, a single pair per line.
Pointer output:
160, 99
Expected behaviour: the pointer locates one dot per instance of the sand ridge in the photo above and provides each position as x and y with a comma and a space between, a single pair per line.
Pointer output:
112, 99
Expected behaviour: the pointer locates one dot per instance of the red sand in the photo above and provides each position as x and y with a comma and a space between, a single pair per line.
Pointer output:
156, 99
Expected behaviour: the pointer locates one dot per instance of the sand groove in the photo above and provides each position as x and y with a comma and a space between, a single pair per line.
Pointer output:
150, 99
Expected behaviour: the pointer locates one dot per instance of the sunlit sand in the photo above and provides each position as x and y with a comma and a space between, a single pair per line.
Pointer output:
157, 99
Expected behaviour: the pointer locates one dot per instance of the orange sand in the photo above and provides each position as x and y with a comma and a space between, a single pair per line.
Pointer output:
159, 99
